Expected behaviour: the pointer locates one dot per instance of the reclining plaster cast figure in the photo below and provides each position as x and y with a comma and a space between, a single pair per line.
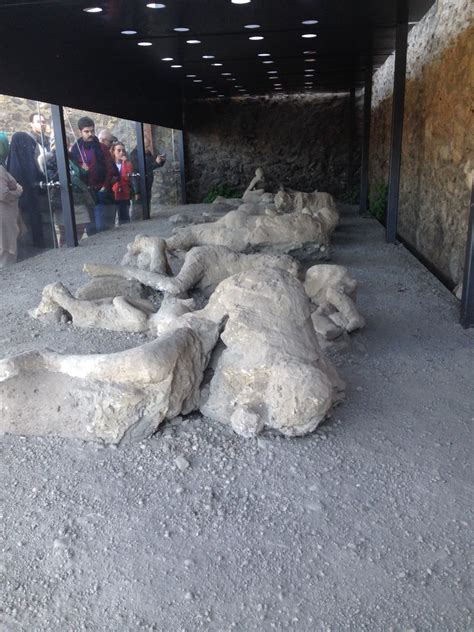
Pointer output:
289, 201
249, 233
120, 313
204, 268
333, 291
110, 397
272, 372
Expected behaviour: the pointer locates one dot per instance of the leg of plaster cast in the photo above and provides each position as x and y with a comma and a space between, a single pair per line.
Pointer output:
154, 280
151, 363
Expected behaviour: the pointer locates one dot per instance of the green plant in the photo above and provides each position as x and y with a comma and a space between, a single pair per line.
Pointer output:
222, 190
378, 200
351, 196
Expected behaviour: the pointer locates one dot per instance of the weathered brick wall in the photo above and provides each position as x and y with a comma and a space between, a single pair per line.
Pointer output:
301, 142
438, 135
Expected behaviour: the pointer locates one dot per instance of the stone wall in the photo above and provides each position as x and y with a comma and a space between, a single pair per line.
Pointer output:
438, 136
301, 142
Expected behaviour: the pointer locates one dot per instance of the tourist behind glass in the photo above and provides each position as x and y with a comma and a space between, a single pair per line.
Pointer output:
83, 200
97, 171
122, 188
10, 219
22, 164
106, 137
152, 163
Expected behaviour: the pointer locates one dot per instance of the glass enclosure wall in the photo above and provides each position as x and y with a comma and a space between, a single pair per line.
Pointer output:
104, 167
105, 150
167, 181
28, 218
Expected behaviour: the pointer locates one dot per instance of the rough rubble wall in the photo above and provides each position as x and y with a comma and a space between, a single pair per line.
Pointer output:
302, 142
438, 136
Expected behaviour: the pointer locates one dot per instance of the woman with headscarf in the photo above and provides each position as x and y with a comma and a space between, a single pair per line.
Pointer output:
10, 219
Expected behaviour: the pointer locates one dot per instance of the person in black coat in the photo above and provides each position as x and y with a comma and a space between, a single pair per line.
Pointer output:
22, 164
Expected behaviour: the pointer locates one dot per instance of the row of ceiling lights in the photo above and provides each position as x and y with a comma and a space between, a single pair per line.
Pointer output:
276, 86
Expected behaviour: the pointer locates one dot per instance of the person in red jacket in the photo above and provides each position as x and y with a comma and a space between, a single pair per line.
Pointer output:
122, 189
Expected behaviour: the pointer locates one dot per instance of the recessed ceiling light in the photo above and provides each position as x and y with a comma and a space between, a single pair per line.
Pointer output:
176, 66
144, 44
128, 32
268, 61
309, 22
93, 10
309, 59
208, 88
309, 35
167, 59
156, 5
197, 80
181, 29
191, 76
272, 72
274, 78
226, 74
208, 57
240, 1
264, 54
309, 52
256, 38
193, 41
217, 64
220, 95
252, 26
278, 88
231, 79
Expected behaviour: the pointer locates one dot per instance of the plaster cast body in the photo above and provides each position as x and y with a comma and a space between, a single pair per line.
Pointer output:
116, 314
248, 233
147, 253
289, 201
333, 291
110, 397
204, 268
272, 372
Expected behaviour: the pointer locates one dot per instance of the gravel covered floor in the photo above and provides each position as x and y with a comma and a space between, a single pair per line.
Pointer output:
362, 526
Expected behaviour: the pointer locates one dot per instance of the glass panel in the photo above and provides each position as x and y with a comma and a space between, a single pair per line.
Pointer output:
101, 154
166, 181
27, 219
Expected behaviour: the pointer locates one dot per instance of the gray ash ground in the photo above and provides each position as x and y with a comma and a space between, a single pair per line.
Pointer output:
365, 525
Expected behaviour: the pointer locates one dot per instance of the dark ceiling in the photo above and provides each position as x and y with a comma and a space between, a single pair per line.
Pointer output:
53, 51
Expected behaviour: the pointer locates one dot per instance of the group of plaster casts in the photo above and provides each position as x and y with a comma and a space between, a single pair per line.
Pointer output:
259, 334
